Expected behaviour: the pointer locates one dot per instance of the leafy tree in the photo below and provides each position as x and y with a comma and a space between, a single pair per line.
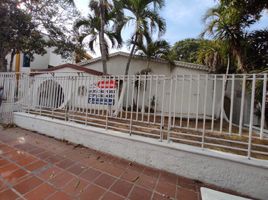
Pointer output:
156, 49
186, 50
214, 54
102, 25
30, 26
17, 33
144, 16
257, 50
225, 24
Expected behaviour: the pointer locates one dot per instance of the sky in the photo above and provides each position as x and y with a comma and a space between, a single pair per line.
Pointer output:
183, 19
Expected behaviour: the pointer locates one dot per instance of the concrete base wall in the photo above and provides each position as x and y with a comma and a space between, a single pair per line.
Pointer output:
233, 172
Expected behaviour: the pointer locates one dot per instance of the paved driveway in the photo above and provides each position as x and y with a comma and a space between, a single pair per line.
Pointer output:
33, 166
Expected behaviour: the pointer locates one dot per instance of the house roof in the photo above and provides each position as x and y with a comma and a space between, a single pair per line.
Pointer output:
177, 63
72, 66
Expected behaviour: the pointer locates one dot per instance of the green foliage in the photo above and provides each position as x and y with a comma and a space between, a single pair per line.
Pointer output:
257, 50
144, 16
31, 26
229, 22
186, 50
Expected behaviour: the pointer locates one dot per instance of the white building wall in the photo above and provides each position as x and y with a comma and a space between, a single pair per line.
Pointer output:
183, 103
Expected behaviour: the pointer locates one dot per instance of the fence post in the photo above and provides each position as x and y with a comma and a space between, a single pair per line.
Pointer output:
169, 109
242, 105
205, 111
162, 123
263, 104
251, 115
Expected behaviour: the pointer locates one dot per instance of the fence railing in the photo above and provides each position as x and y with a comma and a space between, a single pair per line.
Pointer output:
223, 112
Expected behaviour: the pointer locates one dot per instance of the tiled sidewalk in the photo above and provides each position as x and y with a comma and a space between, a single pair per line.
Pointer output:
33, 166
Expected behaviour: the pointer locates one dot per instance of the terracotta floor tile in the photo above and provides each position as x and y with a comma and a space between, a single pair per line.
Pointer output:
151, 172
93, 192
90, 174
131, 175
37, 151
3, 186
112, 196
54, 159
3, 162
42, 191
45, 155
166, 189
28, 185
61, 179
16, 176
139, 193
114, 171
26, 161
49, 173
168, 178
8, 169
59, 196
157, 196
105, 180
8, 195
187, 194
136, 167
77, 169
66, 163
36, 165
75, 187
146, 181
187, 183
122, 188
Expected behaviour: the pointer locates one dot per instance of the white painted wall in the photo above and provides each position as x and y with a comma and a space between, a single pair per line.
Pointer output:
116, 66
41, 61
224, 170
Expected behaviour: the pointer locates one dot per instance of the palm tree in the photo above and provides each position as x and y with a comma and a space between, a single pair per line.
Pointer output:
102, 25
144, 16
224, 24
212, 53
156, 49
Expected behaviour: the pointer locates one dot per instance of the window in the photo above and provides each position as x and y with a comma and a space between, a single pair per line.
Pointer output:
26, 60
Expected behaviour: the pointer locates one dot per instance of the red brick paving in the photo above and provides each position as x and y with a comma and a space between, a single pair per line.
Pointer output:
33, 166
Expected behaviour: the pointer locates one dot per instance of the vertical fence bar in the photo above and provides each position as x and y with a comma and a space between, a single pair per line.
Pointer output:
222, 102
182, 96
169, 109
263, 104
197, 102
143, 98
251, 115
138, 98
122, 83
190, 100
242, 105
205, 110
232, 105
149, 99
156, 98
132, 102
214, 102
175, 101
162, 111
128, 85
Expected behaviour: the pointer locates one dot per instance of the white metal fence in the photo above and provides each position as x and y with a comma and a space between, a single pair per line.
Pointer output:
215, 111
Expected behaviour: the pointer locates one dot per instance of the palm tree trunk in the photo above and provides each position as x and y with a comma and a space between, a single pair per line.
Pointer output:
103, 47
131, 55
12, 59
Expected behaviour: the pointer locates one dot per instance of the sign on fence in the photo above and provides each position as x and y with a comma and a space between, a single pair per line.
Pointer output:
103, 93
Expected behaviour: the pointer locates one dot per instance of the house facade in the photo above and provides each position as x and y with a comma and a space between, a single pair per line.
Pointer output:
22, 62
